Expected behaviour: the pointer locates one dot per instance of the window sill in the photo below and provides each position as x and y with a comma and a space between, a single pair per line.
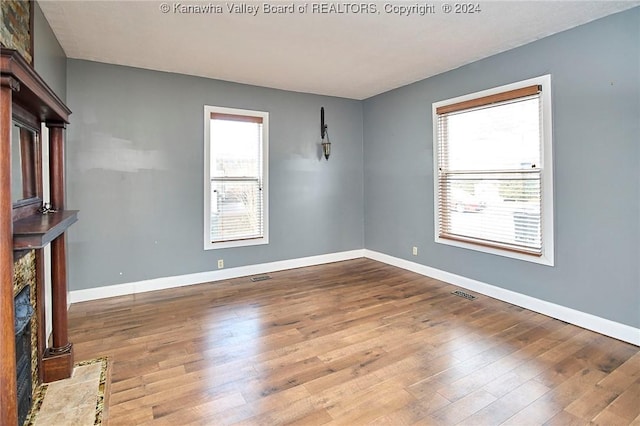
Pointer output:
237, 243
546, 258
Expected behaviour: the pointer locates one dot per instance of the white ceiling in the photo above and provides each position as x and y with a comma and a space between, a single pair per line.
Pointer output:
351, 55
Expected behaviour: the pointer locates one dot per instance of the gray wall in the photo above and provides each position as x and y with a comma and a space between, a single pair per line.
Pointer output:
49, 58
135, 172
595, 71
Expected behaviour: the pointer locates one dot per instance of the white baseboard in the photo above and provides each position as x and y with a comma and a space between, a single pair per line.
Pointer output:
76, 296
591, 322
600, 325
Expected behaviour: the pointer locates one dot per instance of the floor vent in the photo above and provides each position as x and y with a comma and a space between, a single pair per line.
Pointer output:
260, 278
464, 294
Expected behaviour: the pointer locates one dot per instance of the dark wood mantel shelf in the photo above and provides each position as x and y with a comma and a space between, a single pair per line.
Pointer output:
39, 230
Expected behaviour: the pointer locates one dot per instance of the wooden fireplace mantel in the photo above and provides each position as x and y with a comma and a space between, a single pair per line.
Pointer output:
33, 93
27, 100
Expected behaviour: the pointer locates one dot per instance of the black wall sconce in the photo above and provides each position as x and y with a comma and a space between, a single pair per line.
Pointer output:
324, 133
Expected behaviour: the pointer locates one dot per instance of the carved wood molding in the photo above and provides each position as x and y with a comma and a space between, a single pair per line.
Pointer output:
34, 94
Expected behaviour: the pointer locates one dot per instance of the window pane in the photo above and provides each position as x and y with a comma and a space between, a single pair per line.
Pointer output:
236, 210
235, 148
500, 137
494, 208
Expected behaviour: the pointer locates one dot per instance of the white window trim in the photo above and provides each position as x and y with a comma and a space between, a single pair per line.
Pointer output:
208, 244
547, 257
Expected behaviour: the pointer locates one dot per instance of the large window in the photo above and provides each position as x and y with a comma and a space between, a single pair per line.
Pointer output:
493, 181
236, 190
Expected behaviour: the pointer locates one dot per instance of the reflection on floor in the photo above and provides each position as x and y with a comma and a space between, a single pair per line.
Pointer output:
76, 401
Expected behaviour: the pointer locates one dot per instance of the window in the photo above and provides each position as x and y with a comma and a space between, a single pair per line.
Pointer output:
493, 187
236, 172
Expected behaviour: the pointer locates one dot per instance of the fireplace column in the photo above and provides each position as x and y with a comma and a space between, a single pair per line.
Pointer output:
8, 409
58, 360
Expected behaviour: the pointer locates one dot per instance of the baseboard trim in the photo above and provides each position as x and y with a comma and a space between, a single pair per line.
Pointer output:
600, 325
76, 296
591, 322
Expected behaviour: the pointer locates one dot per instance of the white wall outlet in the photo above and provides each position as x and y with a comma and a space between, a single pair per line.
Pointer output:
415, 251
220, 263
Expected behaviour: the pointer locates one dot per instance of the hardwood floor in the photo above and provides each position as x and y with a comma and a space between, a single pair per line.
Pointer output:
356, 342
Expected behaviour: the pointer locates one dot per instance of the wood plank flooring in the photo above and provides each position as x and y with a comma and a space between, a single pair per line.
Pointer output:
356, 342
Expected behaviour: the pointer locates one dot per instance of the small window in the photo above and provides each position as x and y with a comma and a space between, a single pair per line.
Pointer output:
493, 180
236, 171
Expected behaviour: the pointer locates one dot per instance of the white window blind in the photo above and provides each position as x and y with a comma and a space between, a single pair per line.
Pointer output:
490, 171
236, 176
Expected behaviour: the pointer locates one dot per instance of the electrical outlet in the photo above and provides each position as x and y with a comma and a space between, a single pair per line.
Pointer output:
220, 263
415, 251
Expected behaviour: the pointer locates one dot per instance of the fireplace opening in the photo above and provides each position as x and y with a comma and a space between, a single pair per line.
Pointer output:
23, 314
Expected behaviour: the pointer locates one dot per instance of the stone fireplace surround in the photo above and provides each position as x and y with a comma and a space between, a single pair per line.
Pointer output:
25, 279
